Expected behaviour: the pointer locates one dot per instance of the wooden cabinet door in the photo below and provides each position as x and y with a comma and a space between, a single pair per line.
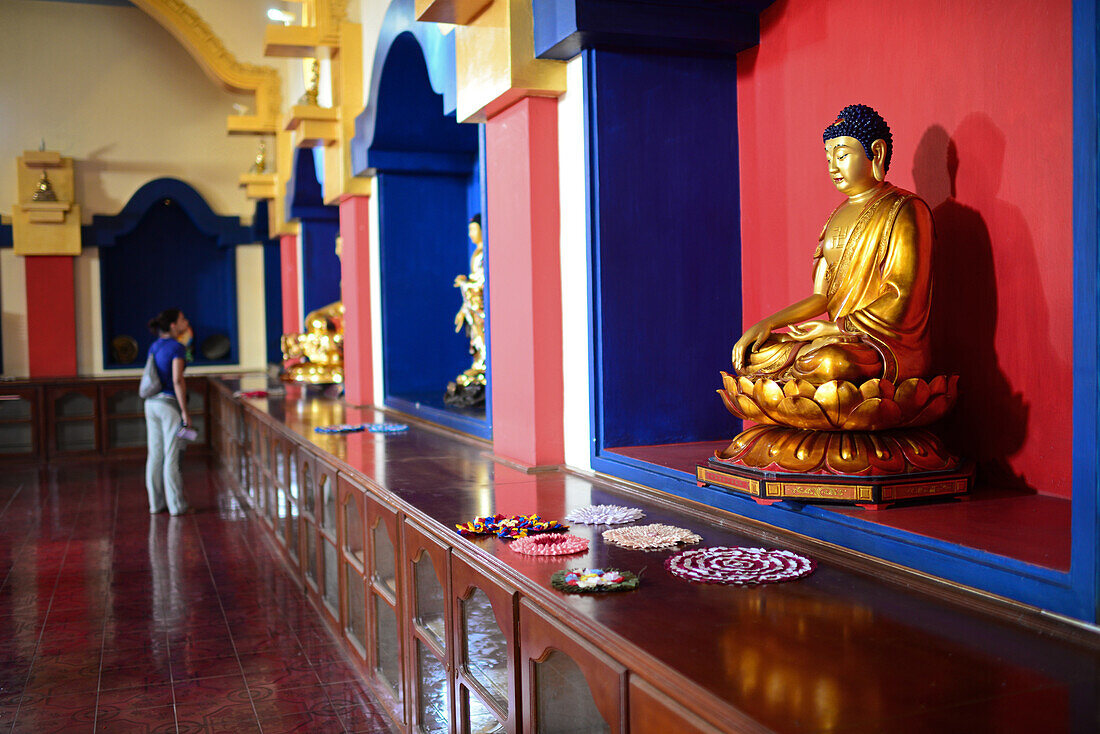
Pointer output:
72, 420
485, 648
430, 677
568, 685
385, 611
20, 423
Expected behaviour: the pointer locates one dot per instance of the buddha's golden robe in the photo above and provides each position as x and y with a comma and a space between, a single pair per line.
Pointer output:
879, 293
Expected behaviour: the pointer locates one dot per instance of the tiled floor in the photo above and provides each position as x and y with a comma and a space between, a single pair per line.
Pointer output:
117, 621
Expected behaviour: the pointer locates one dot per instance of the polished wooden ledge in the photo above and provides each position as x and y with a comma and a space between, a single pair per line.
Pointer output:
856, 646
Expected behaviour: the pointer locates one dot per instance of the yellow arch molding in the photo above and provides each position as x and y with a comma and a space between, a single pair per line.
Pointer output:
196, 35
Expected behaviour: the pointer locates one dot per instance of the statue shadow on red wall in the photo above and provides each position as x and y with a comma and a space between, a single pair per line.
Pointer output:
959, 176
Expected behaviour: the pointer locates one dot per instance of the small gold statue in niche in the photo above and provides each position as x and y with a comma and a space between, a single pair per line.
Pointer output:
468, 389
841, 401
43, 191
259, 163
309, 98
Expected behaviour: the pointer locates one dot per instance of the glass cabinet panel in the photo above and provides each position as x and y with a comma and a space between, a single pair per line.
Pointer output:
331, 590
126, 433
124, 401
328, 497
433, 695
429, 599
76, 436
311, 553
563, 701
307, 489
356, 613
16, 438
74, 405
353, 527
17, 410
292, 534
477, 718
387, 649
384, 571
484, 647
292, 476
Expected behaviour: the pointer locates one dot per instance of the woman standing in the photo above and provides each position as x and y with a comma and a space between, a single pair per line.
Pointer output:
166, 414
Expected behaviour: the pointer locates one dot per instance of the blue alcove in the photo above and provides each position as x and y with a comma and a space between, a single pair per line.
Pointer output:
167, 249
320, 224
430, 183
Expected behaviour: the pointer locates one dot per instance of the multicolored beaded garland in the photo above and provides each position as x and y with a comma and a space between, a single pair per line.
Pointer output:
550, 545
604, 515
341, 428
593, 580
738, 566
510, 526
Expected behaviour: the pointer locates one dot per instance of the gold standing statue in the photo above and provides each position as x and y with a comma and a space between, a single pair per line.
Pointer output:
841, 400
468, 389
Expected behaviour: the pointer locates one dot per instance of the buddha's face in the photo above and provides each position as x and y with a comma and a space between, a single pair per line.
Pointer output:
474, 231
849, 167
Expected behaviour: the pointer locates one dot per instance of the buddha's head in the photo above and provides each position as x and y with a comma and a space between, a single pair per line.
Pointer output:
474, 229
858, 147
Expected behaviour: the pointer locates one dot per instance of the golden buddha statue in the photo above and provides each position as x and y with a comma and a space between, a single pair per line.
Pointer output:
469, 387
320, 347
844, 395
872, 276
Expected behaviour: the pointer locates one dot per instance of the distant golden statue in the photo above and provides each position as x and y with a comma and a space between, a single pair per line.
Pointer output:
320, 348
469, 387
847, 395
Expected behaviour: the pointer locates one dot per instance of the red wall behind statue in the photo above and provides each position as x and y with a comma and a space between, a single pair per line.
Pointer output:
978, 96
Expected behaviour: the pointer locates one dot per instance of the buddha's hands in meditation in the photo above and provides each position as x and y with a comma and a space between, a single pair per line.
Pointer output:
807, 331
751, 341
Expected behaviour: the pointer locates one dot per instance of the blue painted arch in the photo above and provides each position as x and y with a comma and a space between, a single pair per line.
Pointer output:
439, 55
166, 248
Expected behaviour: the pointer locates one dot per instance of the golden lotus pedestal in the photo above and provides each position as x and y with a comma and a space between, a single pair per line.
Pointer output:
838, 443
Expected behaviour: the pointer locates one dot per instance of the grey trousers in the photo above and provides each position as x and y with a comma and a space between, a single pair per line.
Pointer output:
162, 468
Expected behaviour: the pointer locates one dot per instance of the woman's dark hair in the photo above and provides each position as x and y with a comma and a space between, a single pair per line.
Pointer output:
162, 322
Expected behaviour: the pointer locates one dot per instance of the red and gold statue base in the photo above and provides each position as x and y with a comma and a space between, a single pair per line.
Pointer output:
863, 445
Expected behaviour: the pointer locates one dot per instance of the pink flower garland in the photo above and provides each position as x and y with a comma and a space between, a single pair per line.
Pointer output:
549, 545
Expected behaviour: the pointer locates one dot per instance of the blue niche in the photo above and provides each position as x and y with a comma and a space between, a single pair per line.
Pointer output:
429, 185
166, 249
320, 224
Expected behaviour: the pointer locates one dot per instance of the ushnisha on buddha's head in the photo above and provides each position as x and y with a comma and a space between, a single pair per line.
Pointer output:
858, 148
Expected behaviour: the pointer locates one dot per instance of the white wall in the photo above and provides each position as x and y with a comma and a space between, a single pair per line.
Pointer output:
13, 311
574, 270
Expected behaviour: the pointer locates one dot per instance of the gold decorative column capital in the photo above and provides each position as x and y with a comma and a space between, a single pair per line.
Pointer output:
494, 54
46, 220
196, 35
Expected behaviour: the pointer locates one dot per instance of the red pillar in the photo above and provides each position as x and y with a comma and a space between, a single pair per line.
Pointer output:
355, 292
525, 282
288, 254
51, 316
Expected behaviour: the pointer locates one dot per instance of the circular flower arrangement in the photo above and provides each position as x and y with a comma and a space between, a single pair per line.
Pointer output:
604, 515
593, 580
340, 428
549, 545
650, 536
510, 526
738, 566
387, 427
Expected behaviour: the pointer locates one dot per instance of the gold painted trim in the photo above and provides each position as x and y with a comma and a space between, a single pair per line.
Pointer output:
851, 493
199, 39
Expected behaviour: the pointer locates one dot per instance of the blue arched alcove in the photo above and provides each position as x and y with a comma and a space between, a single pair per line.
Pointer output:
320, 224
429, 179
165, 249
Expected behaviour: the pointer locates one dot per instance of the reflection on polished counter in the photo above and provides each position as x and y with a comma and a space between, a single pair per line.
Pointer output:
839, 650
